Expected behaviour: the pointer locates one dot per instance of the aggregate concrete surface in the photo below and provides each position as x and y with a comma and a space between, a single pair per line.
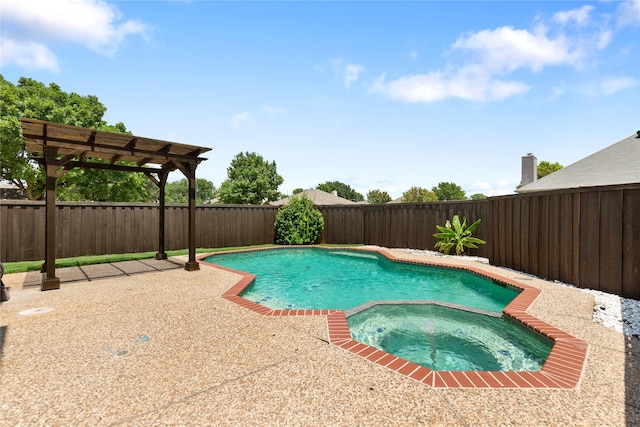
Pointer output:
153, 344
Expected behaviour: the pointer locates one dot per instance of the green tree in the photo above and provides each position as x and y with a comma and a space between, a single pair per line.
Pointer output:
98, 185
478, 196
250, 180
449, 191
297, 190
545, 168
344, 190
378, 196
178, 191
32, 99
298, 222
418, 194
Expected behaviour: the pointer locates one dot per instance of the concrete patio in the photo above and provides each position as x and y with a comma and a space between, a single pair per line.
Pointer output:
148, 343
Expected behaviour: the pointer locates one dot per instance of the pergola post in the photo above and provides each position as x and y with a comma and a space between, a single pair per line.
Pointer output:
189, 171
50, 281
161, 185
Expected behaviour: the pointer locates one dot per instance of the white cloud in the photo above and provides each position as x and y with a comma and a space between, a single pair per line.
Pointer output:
499, 90
351, 73
489, 56
579, 16
241, 119
603, 39
506, 49
499, 188
629, 12
468, 84
95, 24
29, 55
420, 88
612, 85
348, 72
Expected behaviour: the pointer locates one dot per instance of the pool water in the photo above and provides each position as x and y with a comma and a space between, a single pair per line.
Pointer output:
307, 278
443, 338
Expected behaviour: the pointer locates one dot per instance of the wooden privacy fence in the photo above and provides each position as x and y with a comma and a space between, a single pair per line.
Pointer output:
111, 228
399, 225
589, 237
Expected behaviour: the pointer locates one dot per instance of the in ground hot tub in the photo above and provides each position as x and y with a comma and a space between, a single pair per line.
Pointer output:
441, 337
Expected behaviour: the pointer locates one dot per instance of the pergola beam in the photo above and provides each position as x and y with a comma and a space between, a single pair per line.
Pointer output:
94, 165
151, 156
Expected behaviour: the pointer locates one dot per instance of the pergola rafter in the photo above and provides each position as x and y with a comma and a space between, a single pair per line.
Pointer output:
64, 147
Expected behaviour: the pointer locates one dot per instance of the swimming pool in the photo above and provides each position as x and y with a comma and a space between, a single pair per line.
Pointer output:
563, 368
307, 278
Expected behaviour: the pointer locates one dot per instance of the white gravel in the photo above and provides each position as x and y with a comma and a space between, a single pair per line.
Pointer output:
615, 312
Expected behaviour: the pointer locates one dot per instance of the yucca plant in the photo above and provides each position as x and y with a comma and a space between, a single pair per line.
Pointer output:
457, 235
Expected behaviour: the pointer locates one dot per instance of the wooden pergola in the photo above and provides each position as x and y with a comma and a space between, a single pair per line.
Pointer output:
65, 147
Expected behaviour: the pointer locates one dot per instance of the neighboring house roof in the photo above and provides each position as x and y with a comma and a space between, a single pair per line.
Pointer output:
616, 164
398, 200
318, 197
10, 191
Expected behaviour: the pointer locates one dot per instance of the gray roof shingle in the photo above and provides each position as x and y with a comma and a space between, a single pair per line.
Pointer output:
616, 164
318, 197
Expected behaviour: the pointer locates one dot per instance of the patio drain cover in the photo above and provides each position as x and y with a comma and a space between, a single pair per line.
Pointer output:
39, 310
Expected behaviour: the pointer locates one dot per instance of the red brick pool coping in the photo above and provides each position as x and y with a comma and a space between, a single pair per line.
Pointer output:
562, 370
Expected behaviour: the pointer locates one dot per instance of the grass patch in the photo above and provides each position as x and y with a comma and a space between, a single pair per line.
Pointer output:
25, 266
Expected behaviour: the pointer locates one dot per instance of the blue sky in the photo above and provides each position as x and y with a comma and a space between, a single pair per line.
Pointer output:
378, 95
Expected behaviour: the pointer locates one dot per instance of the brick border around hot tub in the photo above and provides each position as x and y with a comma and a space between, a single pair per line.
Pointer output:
563, 368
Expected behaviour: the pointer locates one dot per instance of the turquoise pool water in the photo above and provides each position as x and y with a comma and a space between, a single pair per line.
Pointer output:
443, 338
308, 278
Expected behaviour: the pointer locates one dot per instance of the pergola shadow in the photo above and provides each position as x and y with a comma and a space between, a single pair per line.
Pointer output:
60, 148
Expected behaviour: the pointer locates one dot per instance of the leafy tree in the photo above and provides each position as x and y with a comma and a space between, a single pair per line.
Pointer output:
478, 196
449, 191
545, 168
100, 185
377, 196
297, 190
251, 180
418, 194
344, 190
178, 191
298, 222
32, 99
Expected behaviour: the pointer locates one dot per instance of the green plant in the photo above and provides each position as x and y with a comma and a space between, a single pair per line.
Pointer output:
251, 180
457, 235
378, 196
298, 222
418, 195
